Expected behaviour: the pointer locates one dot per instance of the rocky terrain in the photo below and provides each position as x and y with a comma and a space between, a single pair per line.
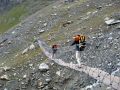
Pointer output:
23, 66
13, 12
6, 4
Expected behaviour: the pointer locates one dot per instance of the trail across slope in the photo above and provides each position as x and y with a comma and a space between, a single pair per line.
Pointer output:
96, 73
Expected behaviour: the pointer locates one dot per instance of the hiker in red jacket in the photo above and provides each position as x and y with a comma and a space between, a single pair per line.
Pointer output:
54, 49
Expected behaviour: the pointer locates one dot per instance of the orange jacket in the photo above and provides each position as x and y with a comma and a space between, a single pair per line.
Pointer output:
79, 38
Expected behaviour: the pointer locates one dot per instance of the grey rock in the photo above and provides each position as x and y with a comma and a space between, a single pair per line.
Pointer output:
58, 73
32, 46
41, 31
112, 21
24, 76
4, 77
40, 84
6, 68
48, 80
25, 51
43, 67
5, 89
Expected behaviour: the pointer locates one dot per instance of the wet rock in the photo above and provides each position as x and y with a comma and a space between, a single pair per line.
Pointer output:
43, 67
4, 77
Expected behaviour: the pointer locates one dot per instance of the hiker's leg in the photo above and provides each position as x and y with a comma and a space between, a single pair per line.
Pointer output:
77, 47
54, 52
73, 43
78, 57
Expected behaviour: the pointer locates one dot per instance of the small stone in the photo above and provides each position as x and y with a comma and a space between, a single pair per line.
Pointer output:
40, 83
68, 41
31, 65
32, 46
88, 13
48, 80
31, 22
88, 5
25, 51
13, 32
45, 24
0, 85
40, 21
22, 83
110, 38
108, 88
43, 67
5, 89
4, 77
9, 42
41, 31
6, 68
112, 21
58, 73
25, 76
54, 14
67, 23
14, 74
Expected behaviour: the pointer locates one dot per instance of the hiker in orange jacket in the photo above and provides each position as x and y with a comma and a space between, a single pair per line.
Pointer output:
77, 40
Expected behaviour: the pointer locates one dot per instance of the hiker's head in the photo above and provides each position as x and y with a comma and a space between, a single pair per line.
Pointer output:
55, 46
78, 35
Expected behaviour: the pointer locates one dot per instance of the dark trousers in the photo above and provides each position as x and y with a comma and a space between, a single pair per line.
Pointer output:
54, 51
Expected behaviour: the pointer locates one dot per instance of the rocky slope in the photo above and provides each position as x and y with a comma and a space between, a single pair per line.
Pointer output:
13, 12
6, 4
57, 23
